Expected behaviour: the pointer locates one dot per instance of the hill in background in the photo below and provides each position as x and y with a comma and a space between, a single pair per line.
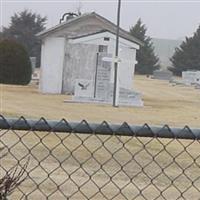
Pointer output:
164, 49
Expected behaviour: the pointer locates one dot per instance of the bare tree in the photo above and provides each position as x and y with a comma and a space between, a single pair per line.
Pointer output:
12, 179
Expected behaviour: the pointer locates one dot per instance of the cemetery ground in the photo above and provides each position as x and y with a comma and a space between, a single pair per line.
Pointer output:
163, 104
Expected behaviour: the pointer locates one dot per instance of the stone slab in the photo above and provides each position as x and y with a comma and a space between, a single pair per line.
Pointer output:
84, 88
103, 75
163, 75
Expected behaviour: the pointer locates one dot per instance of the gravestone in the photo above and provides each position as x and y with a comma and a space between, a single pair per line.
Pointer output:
33, 63
103, 75
100, 89
191, 77
162, 75
127, 97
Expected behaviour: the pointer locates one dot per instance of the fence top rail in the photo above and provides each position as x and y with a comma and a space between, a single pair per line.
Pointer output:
103, 128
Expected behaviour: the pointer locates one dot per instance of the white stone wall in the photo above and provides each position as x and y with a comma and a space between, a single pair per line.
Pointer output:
79, 63
52, 59
126, 66
63, 61
127, 55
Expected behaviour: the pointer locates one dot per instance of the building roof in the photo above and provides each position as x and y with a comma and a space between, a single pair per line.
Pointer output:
103, 34
112, 29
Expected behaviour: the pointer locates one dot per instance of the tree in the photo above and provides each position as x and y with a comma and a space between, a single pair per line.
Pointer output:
1, 35
12, 179
23, 28
147, 60
15, 66
187, 56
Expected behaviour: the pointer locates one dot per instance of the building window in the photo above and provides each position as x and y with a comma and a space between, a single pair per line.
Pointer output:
103, 48
106, 39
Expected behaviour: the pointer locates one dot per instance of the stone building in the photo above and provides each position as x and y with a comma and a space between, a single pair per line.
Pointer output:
81, 51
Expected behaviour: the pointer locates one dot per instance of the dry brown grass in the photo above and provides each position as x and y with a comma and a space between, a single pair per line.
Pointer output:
164, 104
85, 163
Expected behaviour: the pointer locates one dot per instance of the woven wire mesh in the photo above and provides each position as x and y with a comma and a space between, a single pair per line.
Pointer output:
73, 165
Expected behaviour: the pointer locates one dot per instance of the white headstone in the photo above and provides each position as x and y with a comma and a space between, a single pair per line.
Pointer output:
100, 90
103, 77
33, 63
191, 77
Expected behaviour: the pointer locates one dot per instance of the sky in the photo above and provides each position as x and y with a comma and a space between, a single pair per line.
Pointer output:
164, 19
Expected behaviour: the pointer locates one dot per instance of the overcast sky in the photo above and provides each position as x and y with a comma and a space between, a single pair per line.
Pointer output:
164, 19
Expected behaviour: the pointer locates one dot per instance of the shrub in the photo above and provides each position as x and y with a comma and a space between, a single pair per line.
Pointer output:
15, 65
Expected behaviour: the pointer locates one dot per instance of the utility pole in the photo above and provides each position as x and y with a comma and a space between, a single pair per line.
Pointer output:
116, 86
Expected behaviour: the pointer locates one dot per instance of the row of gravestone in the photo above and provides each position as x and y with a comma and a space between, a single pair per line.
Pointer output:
101, 89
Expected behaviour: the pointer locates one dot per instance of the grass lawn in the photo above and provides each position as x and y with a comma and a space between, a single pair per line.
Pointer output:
163, 104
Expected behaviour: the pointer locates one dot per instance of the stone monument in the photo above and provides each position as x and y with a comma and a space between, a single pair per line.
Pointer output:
100, 89
191, 77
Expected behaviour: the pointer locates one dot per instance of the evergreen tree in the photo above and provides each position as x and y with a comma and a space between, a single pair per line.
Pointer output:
15, 66
23, 28
147, 60
187, 56
1, 36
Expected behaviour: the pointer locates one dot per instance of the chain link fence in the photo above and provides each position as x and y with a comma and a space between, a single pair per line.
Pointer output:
101, 161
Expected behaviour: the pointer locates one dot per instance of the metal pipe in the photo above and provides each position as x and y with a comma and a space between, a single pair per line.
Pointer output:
115, 104
101, 128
